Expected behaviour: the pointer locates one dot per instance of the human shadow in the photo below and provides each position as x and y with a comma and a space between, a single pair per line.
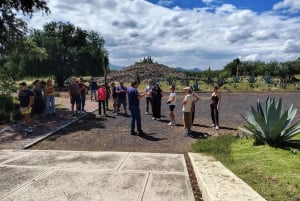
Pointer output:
228, 128
150, 137
200, 125
199, 135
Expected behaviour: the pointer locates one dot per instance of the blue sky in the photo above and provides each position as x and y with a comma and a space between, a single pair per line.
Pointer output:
186, 33
256, 5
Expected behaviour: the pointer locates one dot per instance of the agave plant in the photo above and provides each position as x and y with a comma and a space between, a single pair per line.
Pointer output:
196, 85
271, 126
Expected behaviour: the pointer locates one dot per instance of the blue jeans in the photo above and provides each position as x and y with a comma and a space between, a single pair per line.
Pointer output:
50, 104
135, 117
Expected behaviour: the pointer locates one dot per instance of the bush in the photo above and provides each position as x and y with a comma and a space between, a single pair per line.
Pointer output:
9, 111
271, 126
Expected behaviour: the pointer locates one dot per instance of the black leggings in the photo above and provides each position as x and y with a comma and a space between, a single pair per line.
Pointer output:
103, 104
214, 114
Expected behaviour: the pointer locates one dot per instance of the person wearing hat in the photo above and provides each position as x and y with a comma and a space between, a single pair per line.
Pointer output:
26, 98
186, 109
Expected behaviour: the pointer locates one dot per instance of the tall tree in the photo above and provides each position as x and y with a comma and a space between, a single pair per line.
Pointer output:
12, 28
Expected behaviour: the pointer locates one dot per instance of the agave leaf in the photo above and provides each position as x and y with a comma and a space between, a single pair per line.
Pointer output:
260, 123
292, 131
279, 106
272, 116
245, 130
259, 109
278, 127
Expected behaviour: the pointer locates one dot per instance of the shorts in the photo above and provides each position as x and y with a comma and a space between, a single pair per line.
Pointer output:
171, 108
120, 102
75, 99
25, 110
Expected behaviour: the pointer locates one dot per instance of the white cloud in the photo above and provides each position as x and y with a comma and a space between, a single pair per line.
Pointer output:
291, 6
180, 37
165, 2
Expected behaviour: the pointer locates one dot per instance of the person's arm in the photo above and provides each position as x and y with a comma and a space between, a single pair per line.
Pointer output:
184, 100
196, 96
31, 101
219, 101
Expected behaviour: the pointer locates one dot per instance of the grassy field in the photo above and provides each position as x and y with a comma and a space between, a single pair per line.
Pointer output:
273, 173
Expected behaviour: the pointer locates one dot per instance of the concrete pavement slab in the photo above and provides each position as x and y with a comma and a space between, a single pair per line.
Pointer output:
155, 162
12, 178
168, 187
76, 185
217, 183
105, 176
70, 159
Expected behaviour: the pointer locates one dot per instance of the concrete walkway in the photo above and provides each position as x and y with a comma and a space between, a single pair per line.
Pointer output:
105, 176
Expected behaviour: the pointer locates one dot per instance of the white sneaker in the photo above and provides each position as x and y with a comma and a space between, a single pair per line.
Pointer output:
153, 118
217, 128
213, 125
28, 130
146, 113
170, 124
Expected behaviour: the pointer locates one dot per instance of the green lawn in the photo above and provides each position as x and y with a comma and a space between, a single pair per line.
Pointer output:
273, 173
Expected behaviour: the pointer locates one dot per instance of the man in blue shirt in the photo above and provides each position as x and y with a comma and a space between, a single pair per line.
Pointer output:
134, 107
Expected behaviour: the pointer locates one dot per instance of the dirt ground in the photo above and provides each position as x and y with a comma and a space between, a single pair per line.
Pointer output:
112, 133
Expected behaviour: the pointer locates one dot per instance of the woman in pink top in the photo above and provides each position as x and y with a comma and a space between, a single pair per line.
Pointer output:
102, 93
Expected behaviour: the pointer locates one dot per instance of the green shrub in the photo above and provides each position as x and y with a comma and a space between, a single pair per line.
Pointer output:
271, 126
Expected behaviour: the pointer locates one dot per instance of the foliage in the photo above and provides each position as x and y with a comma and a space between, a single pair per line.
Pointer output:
221, 81
7, 83
171, 80
267, 78
236, 79
69, 51
146, 60
196, 85
8, 109
271, 126
12, 27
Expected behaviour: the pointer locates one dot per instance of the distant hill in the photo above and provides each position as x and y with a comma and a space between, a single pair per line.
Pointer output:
114, 67
144, 71
188, 70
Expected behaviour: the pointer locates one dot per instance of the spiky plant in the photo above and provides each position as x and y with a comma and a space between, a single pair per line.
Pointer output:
221, 81
196, 85
267, 78
236, 79
271, 126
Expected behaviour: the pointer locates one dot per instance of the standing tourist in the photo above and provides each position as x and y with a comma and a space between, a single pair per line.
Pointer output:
148, 91
156, 96
82, 89
134, 107
26, 98
172, 103
214, 107
74, 93
186, 109
50, 98
108, 93
94, 88
196, 98
121, 97
38, 105
102, 93
114, 96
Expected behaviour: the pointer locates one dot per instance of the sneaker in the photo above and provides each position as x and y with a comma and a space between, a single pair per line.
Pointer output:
185, 133
213, 125
158, 119
170, 124
173, 123
141, 132
133, 133
217, 128
146, 113
153, 118
28, 130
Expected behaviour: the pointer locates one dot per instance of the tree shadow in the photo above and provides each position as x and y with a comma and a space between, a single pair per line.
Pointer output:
149, 137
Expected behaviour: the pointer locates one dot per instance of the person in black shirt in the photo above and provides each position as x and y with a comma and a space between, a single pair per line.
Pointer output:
26, 98
114, 96
214, 107
156, 96
38, 105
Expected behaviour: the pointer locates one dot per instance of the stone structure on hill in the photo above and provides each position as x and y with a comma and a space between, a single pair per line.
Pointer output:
158, 72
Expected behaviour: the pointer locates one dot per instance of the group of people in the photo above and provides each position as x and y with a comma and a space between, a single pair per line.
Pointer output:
154, 95
32, 101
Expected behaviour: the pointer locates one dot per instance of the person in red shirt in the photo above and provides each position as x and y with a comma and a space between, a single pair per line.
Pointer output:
102, 93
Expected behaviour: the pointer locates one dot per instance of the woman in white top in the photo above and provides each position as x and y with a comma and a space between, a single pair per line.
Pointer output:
186, 109
172, 102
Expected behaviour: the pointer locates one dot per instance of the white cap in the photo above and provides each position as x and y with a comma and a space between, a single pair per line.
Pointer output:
186, 88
